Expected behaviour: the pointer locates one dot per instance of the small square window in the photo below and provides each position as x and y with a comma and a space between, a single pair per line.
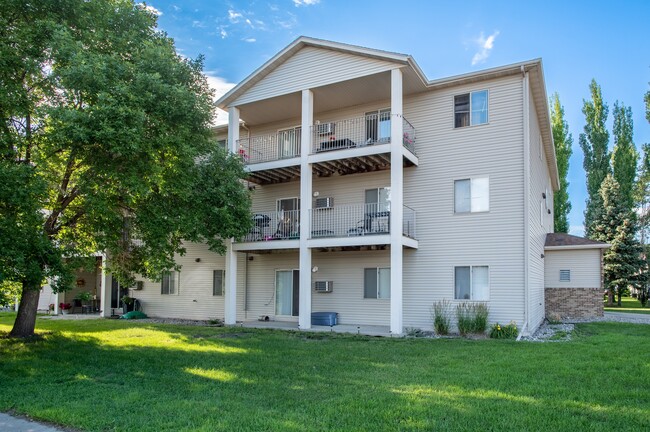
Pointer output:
169, 283
471, 109
565, 275
472, 195
376, 283
472, 283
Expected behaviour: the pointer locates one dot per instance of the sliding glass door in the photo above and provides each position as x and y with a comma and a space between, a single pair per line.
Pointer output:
287, 288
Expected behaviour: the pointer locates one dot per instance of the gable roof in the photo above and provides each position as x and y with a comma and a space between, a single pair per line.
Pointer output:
533, 67
560, 241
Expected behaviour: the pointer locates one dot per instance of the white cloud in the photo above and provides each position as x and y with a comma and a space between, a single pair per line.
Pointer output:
220, 87
198, 24
288, 23
176, 8
299, 3
150, 9
250, 40
233, 16
223, 33
485, 46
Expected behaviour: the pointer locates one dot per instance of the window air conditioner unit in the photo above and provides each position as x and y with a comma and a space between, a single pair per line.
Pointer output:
324, 286
324, 203
325, 128
138, 285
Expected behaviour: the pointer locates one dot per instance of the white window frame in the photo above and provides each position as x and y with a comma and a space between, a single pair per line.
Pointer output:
297, 137
471, 179
377, 293
471, 116
471, 282
223, 282
176, 278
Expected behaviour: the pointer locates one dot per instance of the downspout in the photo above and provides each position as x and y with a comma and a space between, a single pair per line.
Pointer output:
526, 130
246, 287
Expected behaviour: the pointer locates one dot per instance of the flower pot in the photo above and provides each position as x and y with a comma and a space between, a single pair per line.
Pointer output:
66, 311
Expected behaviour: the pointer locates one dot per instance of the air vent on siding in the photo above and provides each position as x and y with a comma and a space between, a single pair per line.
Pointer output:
565, 275
324, 203
323, 286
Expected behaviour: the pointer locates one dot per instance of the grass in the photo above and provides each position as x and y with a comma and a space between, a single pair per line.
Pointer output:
629, 305
112, 375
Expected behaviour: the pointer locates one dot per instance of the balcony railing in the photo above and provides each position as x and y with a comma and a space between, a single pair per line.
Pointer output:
408, 222
358, 220
279, 225
371, 129
272, 147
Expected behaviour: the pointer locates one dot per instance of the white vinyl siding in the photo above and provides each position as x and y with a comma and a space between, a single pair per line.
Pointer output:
472, 195
312, 67
583, 266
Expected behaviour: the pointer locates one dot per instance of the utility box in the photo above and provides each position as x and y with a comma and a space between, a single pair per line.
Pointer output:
324, 318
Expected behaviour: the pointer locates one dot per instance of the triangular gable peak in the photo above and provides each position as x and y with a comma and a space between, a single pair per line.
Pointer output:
309, 63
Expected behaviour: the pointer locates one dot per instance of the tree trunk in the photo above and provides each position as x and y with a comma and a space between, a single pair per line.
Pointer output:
619, 294
610, 297
26, 318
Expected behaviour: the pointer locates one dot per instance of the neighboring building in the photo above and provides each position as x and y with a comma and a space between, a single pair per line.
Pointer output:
377, 192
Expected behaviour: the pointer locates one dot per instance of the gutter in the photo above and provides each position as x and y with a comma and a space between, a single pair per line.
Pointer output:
526, 131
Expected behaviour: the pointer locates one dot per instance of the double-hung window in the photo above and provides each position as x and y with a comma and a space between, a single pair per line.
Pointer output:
218, 281
471, 109
472, 283
376, 283
472, 195
169, 283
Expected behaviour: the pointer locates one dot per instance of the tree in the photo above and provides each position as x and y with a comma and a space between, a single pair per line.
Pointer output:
105, 144
594, 142
563, 142
623, 265
642, 198
624, 156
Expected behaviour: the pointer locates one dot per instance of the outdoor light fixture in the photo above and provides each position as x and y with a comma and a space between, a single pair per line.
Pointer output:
314, 269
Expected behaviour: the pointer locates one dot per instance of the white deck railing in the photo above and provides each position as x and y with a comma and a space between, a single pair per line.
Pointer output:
355, 132
278, 225
340, 221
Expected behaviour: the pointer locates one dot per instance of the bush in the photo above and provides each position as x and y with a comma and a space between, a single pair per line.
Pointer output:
440, 314
415, 332
472, 318
508, 331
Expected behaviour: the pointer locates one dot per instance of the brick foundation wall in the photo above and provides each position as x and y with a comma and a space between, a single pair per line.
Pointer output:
574, 302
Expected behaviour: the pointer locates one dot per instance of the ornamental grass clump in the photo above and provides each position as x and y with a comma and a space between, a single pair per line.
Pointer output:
472, 318
508, 331
440, 312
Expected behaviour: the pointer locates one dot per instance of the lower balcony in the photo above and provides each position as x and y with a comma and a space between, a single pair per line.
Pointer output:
357, 224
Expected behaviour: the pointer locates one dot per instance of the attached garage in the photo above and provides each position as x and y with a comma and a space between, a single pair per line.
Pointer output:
573, 282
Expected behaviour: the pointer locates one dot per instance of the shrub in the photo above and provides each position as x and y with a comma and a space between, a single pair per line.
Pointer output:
440, 314
415, 332
508, 331
472, 317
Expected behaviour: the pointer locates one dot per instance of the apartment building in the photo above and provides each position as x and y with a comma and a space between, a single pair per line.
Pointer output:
377, 191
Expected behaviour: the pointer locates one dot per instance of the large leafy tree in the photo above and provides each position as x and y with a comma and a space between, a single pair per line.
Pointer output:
563, 143
623, 266
624, 157
105, 144
594, 142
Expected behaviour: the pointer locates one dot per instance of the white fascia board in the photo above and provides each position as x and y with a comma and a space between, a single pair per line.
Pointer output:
577, 247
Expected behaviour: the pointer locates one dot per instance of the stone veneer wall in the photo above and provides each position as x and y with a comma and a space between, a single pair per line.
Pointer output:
574, 302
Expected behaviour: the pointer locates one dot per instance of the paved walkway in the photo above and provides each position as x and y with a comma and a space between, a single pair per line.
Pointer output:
14, 424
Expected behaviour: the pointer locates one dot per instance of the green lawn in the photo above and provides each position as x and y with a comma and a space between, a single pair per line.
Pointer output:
129, 376
630, 305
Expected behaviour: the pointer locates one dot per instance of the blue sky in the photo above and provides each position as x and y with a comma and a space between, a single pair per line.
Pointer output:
577, 41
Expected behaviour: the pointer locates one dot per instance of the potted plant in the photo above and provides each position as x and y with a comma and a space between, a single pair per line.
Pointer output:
84, 296
65, 308
127, 303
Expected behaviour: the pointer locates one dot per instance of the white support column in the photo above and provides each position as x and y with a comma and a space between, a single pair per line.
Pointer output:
233, 129
304, 315
396, 201
56, 304
230, 296
104, 299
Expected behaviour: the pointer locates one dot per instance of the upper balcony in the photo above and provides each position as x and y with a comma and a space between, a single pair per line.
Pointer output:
341, 146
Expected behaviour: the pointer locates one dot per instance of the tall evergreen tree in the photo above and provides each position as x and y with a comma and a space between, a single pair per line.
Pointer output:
614, 224
624, 157
642, 198
563, 142
594, 142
